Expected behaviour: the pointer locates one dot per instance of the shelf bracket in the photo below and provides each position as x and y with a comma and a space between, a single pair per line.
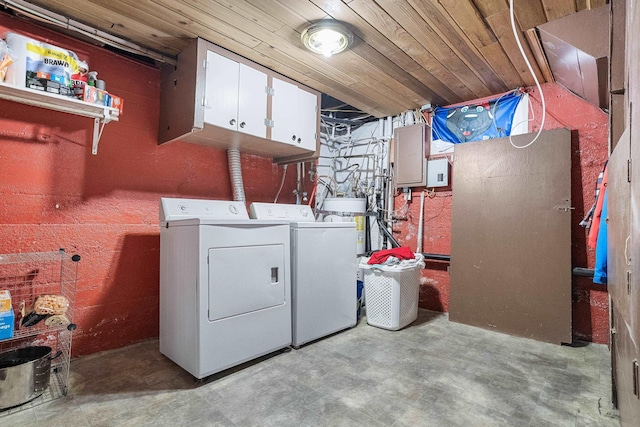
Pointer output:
97, 130
96, 136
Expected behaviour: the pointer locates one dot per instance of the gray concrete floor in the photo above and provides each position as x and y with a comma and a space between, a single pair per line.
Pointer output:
432, 373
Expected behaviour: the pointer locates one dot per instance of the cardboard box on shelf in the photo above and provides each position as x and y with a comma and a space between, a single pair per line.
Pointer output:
102, 97
89, 94
5, 301
96, 96
117, 102
6, 325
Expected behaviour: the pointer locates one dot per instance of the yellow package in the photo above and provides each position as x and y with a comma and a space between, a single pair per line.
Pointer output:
5, 301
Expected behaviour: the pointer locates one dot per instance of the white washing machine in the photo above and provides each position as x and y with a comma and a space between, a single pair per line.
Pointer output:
225, 292
323, 271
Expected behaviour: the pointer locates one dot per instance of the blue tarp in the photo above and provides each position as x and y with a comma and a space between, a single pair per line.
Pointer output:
492, 119
600, 271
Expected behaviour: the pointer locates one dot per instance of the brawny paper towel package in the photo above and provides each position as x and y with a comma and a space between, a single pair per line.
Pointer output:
40, 66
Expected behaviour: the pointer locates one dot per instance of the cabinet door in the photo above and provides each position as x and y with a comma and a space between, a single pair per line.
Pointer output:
221, 91
252, 102
619, 229
505, 219
410, 148
308, 119
284, 112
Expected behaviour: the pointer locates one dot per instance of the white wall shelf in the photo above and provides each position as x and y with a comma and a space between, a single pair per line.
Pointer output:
99, 113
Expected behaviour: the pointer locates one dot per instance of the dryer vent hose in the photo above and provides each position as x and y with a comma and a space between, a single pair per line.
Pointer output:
235, 171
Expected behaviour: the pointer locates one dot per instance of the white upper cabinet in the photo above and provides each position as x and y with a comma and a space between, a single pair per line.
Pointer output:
217, 98
252, 102
235, 96
308, 119
283, 111
294, 114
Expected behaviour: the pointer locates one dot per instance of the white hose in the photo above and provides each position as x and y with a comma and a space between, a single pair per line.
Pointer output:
535, 79
284, 174
235, 172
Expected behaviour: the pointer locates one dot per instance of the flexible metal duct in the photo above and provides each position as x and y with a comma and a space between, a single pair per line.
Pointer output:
235, 172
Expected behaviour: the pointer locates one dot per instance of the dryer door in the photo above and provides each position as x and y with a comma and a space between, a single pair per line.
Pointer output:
243, 279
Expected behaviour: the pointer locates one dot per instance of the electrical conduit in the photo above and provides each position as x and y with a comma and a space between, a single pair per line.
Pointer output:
420, 226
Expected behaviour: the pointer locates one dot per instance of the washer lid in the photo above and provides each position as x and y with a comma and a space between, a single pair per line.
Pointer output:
302, 213
325, 225
174, 209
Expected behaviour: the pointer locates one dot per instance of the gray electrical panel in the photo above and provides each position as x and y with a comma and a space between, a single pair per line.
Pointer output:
410, 145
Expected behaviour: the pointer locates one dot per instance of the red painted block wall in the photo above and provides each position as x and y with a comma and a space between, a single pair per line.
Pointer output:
56, 194
589, 126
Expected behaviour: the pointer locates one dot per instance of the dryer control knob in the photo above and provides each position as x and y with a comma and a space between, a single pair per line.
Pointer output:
304, 212
233, 209
183, 208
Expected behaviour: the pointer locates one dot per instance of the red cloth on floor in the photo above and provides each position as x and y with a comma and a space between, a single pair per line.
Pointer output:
403, 252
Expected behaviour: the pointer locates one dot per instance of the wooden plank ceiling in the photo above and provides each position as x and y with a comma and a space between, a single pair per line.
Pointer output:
407, 52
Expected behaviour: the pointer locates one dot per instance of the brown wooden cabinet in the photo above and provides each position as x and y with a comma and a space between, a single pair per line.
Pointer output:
624, 208
617, 71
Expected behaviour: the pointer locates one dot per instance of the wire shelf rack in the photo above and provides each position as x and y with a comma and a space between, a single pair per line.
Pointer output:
28, 276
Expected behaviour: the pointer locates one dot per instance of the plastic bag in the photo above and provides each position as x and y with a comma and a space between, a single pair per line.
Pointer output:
51, 304
6, 59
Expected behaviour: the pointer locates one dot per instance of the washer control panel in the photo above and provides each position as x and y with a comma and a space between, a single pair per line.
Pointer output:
172, 209
303, 213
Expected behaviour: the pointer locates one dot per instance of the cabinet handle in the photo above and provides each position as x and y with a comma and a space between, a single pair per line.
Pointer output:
293, 138
232, 122
242, 124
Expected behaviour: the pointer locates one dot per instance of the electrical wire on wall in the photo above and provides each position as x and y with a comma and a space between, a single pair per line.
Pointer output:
535, 78
354, 162
284, 174
351, 156
350, 177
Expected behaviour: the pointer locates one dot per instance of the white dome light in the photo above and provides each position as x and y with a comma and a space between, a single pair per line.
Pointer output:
327, 37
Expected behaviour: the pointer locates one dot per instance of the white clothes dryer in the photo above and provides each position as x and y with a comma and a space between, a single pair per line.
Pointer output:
225, 292
323, 271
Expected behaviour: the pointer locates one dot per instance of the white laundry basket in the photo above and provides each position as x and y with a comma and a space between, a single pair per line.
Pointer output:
392, 293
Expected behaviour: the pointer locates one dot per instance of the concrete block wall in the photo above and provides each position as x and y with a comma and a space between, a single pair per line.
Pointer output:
588, 125
56, 194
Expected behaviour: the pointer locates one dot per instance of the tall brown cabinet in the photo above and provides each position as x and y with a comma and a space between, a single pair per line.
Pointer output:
624, 207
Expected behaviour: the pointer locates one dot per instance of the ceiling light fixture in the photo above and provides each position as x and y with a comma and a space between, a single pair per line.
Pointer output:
327, 37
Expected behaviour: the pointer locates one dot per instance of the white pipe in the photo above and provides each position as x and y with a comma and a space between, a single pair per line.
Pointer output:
419, 249
390, 202
235, 171
284, 174
302, 177
298, 190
